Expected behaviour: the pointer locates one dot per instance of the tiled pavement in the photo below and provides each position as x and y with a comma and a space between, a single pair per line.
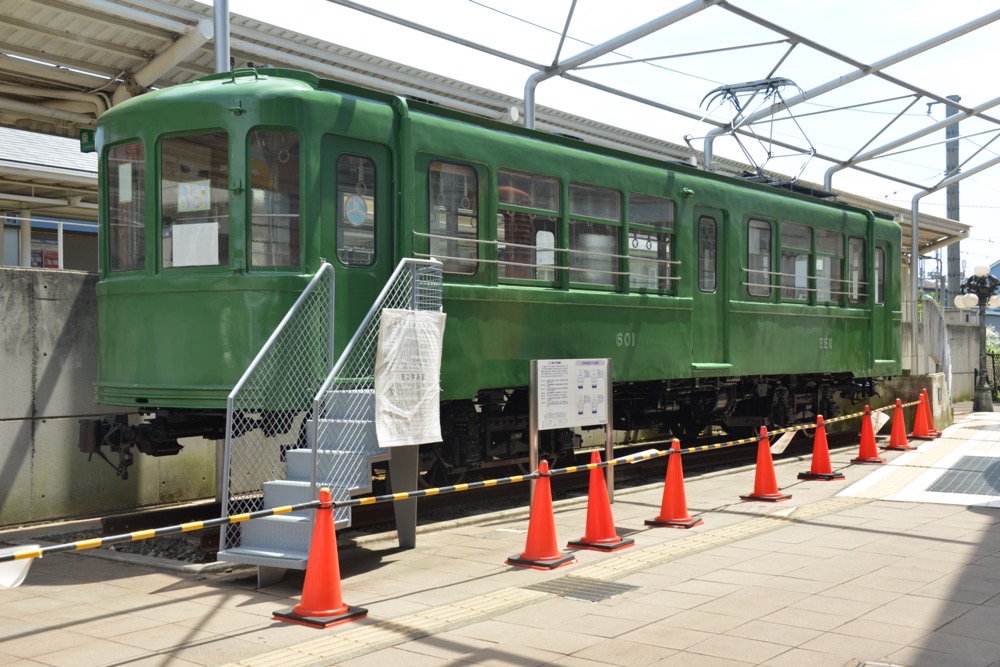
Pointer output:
875, 568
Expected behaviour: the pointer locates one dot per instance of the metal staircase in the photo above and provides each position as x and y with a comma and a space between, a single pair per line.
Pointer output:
294, 426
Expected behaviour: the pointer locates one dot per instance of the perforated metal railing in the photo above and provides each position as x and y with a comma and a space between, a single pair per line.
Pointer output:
268, 408
346, 401
271, 408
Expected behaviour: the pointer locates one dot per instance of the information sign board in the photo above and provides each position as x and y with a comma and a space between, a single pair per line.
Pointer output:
571, 392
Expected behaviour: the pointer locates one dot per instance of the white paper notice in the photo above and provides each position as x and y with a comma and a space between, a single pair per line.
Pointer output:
408, 377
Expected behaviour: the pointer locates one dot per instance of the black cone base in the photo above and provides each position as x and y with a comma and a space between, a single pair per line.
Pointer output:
351, 614
547, 564
602, 546
826, 477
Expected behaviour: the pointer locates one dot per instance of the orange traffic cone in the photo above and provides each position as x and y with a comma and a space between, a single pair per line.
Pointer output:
930, 415
322, 605
540, 550
765, 484
673, 509
897, 438
921, 422
820, 468
868, 452
600, 534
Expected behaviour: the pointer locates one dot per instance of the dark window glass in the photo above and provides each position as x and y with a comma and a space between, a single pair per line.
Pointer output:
759, 258
796, 242
650, 211
649, 260
829, 263
526, 246
594, 202
453, 219
529, 190
706, 254
274, 195
355, 210
194, 200
126, 203
856, 270
879, 275
593, 253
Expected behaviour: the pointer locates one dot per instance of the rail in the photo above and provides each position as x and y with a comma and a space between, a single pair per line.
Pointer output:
396, 497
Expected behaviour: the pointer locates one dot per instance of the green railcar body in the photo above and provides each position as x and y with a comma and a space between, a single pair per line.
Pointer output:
179, 337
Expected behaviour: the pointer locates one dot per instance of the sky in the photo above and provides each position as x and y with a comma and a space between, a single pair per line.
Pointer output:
865, 30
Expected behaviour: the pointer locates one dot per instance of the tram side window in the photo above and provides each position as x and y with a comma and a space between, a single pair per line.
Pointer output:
759, 257
126, 203
796, 246
855, 270
593, 243
274, 191
194, 200
879, 275
829, 260
527, 225
706, 254
453, 219
355, 210
650, 242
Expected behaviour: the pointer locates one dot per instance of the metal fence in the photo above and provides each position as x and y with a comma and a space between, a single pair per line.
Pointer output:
294, 378
345, 403
268, 408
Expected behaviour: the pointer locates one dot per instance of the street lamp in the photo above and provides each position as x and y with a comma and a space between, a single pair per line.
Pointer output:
980, 289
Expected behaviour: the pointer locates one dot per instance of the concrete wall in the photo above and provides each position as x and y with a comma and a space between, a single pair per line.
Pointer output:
907, 388
963, 336
48, 364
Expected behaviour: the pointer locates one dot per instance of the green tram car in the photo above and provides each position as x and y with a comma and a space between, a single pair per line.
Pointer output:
719, 301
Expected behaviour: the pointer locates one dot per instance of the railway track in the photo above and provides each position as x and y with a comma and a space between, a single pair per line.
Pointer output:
379, 518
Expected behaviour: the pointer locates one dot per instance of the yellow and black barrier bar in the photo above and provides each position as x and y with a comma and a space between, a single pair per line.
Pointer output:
139, 535
466, 486
395, 497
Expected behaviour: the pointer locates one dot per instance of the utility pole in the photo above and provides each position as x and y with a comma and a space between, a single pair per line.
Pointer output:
952, 213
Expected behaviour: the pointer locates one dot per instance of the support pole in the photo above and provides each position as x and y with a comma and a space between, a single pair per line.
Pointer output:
221, 35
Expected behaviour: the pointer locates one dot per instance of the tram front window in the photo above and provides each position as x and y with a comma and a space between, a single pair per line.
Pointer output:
194, 200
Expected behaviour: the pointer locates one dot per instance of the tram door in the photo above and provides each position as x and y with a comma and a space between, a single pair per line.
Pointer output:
882, 338
709, 333
357, 225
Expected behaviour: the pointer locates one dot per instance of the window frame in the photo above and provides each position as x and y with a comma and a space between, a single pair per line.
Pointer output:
138, 182
766, 283
860, 296
553, 223
788, 279
476, 240
836, 282
340, 223
298, 216
665, 234
577, 256
225, 258
702, 220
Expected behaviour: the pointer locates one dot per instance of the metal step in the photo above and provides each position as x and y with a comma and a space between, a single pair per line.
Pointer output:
281, 492
351, 404
345, 470
354, 435
280, 558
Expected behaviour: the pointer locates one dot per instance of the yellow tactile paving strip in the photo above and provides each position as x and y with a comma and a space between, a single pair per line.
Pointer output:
365, 638
906, 471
